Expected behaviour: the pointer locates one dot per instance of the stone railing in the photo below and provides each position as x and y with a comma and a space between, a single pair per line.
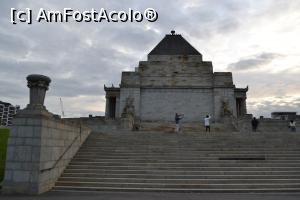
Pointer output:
40, 145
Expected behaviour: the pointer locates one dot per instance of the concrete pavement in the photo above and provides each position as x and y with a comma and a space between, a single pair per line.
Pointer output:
153, 196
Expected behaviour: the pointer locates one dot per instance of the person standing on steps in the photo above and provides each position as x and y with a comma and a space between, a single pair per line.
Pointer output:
178, 117
254, 124
207, 123
292, 126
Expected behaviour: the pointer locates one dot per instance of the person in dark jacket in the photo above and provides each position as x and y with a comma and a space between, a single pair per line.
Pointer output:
292, 126
178, 117
254, 123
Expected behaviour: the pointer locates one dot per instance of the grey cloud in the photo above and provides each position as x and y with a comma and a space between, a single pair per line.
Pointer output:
211, 18
281, 86
74, 87
12, 89
265, 108
253, 62
12, 45
267, 84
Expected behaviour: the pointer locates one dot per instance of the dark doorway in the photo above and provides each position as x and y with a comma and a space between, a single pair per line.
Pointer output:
239, 104
112, 107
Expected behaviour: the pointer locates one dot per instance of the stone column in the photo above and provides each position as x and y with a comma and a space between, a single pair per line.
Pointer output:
244, 107
106, 107
238, 107
117, 107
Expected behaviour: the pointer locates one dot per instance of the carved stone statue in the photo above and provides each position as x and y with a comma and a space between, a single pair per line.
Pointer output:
129, 107
128, 114
225, 108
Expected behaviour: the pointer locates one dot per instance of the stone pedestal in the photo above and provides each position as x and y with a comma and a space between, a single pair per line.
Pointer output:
127, 122
244, 123
228, 122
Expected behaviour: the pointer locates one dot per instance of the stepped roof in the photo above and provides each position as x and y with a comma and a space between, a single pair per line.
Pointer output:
174, 44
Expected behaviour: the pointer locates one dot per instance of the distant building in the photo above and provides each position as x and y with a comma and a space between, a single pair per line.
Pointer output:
284, 115
7, 112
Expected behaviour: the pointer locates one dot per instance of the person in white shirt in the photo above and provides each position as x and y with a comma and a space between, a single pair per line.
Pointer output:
207, 123
292, 126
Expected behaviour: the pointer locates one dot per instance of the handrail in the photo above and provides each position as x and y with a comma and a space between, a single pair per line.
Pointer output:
62, 155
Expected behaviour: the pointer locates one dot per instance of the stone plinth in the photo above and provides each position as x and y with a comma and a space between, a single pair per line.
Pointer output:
39, 149
244, 123
127, 122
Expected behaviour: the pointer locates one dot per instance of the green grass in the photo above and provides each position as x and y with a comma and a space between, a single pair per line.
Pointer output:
3, 145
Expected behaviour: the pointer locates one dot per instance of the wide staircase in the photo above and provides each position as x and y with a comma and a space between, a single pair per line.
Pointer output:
185, 162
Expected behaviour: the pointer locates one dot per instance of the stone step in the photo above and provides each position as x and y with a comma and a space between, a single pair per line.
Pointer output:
148, 147
185, 140
214, 145
200, 153
189, 162
141, 139
185, 190
171, 161
176, 180
196, 137
166, 149
139, 136
180, 172
190, 152
181, 185
187, 136
249, 142
161, 157
178, 176
151, 168
155, 165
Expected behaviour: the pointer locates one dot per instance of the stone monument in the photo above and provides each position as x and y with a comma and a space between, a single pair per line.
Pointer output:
176, 79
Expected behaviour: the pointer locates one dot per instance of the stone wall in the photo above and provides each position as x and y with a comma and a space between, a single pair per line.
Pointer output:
175, 74
39, 149
97, 123
223, 79
223, 92
274, 125
130, 93
226, 95
162, 104
176, 58
265, 124
130, 79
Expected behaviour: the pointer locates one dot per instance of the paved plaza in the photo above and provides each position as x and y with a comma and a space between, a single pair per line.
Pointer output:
153, 196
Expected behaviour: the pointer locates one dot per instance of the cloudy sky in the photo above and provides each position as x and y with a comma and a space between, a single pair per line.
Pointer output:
259, 41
